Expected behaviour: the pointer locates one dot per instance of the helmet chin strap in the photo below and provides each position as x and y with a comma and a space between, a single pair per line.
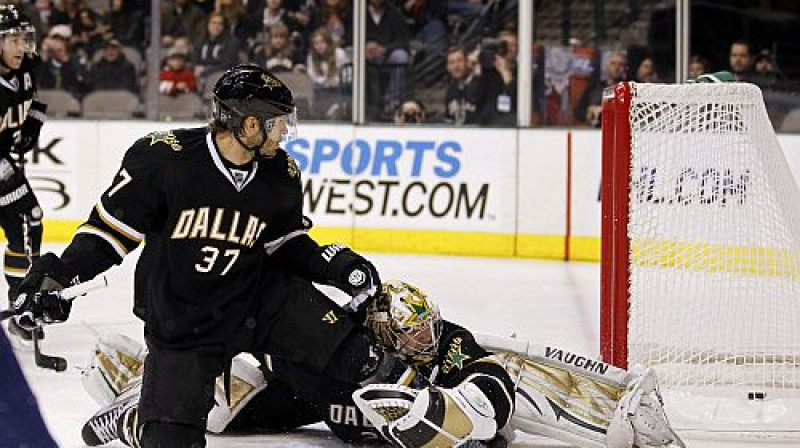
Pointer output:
256, 148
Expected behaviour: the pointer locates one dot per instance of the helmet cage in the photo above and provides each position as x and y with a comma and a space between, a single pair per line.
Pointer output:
406, 322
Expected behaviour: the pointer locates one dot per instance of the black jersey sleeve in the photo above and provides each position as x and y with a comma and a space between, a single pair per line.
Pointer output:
126, 211
462, 359
288, 241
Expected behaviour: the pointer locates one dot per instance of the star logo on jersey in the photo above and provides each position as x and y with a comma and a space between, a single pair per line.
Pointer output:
270, 82
166, 137
291, 166
455, 357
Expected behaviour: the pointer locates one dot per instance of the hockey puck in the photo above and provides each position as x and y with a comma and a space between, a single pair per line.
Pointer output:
756, 395
60, 365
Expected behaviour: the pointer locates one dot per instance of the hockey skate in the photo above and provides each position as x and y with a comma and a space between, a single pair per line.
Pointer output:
111, 422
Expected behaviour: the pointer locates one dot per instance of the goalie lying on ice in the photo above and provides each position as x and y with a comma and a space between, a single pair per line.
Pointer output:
462, 387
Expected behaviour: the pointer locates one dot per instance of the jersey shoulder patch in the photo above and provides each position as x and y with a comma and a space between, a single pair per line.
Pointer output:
282, 165
167, 138
458, 348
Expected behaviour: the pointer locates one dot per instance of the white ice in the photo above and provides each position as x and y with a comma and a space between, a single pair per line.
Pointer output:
544, 301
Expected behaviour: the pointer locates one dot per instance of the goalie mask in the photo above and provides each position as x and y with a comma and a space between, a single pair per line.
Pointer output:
405, 321
248, 90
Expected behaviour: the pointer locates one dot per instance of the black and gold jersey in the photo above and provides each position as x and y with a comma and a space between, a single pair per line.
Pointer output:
17, 89
205, 223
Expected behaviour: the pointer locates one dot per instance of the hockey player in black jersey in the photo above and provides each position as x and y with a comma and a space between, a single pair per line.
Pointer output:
22, 118
213, 204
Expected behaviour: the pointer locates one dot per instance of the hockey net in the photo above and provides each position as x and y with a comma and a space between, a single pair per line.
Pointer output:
701, 255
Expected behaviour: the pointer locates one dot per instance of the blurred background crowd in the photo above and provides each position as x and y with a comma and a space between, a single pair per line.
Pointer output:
419, 61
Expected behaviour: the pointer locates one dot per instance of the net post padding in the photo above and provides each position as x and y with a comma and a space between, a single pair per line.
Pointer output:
712, 293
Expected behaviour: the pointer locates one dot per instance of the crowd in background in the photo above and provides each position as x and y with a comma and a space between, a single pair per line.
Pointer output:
431, 61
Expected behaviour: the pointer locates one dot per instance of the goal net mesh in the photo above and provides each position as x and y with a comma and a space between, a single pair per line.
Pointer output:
714, 230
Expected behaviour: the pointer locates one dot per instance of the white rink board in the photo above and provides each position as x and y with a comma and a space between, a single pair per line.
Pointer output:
506, 182
542, 168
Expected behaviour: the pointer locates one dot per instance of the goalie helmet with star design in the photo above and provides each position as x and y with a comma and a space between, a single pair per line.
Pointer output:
405, 321
248, 90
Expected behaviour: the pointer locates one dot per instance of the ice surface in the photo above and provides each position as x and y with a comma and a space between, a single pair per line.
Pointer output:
545, 301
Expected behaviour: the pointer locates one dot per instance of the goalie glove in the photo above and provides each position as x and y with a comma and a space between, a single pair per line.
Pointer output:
432, 417
639, 419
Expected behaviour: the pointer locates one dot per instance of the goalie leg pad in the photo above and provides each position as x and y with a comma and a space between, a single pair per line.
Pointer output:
639, 419
116, 360
247, 380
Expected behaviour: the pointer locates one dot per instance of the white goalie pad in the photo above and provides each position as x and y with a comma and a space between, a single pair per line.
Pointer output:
116, 361
573, 398
247, 380
639, 419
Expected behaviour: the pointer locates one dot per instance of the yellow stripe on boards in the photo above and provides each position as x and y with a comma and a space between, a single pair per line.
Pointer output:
479, 244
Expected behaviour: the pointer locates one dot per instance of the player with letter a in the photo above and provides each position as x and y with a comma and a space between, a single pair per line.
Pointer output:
22, 118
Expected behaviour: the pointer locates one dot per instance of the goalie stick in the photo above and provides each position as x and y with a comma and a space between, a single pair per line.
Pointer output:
52, 362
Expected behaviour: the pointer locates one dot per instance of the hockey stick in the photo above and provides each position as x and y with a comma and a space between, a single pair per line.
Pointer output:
70, 292
54, 362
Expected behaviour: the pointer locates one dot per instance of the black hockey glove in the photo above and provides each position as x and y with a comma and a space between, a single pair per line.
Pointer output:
32, 127
37, 296
351, 273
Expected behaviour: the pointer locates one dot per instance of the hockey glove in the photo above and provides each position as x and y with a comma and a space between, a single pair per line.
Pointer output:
32, 127
351, 273
37, 296
434, 416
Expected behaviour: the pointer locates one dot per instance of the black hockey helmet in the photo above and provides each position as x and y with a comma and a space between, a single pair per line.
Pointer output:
249, 90
13, 21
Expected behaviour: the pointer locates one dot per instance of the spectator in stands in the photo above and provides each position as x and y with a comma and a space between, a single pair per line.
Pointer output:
59, 70
176, 77
464, 100
646, 71
739, 60
113, 71
410, 112
278, 54
217, 50
336, 16
766, 73
64, 12
87, 32
386, 49
275, 11
125, 24
499, 78
590, 104
325, 60
698, 65
426, 21
180, 18
242, 27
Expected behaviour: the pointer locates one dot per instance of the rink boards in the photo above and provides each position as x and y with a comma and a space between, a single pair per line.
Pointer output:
468, 191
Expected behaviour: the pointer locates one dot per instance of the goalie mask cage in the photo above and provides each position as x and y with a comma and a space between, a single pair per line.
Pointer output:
700, 273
